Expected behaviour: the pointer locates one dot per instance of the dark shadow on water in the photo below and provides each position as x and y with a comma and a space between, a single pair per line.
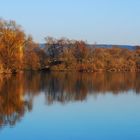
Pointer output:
17, 92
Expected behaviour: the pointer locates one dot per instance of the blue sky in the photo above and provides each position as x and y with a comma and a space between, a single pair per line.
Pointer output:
100, 21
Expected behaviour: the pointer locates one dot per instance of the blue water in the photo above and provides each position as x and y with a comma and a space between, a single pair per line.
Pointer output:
99, 116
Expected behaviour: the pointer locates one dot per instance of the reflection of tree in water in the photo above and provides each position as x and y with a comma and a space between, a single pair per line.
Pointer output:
17, 92
12, 103
65, 87
75, 86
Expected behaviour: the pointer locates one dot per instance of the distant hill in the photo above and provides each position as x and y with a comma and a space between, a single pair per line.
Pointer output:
42, 45
130, 47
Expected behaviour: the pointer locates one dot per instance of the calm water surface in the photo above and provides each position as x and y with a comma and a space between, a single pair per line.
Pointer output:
70, 106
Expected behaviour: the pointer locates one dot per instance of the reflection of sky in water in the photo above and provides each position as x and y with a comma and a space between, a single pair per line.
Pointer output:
108, 117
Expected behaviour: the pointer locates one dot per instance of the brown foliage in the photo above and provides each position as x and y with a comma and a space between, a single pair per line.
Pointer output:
31, 58
12, 40
18, 53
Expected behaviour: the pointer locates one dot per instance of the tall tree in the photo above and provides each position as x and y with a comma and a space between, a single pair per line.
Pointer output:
12, 40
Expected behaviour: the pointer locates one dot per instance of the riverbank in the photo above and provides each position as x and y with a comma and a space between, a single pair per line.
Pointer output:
71, 70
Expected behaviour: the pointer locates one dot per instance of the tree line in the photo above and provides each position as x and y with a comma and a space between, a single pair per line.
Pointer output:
19, 52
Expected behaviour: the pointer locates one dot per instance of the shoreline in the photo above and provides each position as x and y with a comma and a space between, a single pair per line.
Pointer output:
70, 71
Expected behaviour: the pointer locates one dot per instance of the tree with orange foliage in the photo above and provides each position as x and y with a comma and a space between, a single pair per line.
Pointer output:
31, 58
80, 51
12, 40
